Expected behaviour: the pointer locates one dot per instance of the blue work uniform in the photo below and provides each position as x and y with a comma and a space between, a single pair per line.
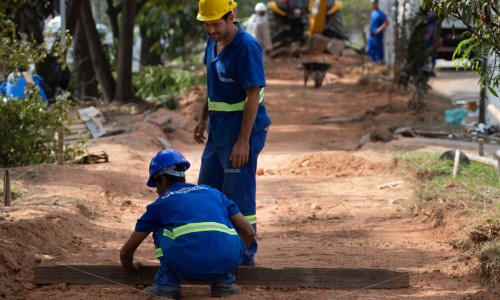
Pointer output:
236, 68
376, 41
16, 87
193, 236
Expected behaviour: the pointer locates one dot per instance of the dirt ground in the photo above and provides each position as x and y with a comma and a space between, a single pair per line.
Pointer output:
319, 198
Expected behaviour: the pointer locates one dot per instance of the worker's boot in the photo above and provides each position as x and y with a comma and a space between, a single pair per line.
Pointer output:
152, 290
222, 290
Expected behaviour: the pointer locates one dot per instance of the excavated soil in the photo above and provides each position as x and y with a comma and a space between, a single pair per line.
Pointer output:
320, 195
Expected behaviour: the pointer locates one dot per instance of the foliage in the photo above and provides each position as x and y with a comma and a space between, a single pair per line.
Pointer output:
482, 19
19, 47
166, 84
475, 186
174, 25
28, 128
356, 15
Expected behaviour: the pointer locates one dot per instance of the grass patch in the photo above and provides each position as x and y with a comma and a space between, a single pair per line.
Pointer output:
14, 192
475, 186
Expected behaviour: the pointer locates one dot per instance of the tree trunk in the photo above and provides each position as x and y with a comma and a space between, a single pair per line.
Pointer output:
73, 15
112, 13
125, 44
85, 78
148, 57
101, 65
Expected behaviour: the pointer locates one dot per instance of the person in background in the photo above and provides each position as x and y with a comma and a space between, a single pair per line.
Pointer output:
378, 23
258, 26
19, 82
430, 34
194, 231
234, 114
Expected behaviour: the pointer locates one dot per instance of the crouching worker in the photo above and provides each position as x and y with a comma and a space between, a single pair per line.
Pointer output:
195, 231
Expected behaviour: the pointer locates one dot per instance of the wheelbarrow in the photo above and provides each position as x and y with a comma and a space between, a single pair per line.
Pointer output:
316, 70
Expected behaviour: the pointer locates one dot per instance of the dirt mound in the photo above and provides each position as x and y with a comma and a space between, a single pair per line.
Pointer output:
332, 164
30, 236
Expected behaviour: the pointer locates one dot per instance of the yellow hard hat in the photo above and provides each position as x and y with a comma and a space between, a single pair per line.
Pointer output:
210, 10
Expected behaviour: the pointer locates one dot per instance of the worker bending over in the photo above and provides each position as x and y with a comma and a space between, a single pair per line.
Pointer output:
195, 231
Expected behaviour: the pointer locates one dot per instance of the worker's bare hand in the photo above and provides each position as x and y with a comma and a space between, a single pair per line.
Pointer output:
134, 267
137, 267
199, 133
240, 154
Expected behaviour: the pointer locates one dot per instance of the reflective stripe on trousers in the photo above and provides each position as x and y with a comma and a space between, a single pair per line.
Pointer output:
198, 227
227, 107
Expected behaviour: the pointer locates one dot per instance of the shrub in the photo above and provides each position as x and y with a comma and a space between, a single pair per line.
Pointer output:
164, 84
27, 130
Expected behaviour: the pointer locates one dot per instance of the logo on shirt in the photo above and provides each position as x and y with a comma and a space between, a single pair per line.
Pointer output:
186, 190
224, 79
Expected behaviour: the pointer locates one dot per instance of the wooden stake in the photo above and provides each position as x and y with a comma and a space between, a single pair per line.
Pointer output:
60, 145
457, 162
498, 163
6, 188
480, 142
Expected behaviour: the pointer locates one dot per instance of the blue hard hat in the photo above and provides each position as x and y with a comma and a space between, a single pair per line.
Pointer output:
164, 162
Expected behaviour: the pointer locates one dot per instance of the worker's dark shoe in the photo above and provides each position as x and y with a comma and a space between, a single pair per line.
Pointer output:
152, 290
224, 291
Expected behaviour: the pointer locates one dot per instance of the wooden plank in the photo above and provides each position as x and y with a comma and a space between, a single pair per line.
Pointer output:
256, 276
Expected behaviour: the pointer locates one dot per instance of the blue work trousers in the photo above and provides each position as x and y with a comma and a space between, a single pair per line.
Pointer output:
376, 48
239, 185
167, 280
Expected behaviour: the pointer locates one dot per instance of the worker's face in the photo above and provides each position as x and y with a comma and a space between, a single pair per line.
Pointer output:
375, 5
219, 30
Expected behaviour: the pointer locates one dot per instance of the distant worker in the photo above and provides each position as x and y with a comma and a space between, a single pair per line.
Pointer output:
194, 231
19, 83
234, 115
378, 23
258, 26
430, 34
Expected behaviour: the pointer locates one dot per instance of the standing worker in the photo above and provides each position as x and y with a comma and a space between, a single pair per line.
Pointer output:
234, 115
258, 26
378, 22
193, 231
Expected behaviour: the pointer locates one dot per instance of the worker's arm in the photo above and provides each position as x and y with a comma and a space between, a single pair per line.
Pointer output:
29, 79
382, 27
241, 149
199, 130
244, 228
128, 250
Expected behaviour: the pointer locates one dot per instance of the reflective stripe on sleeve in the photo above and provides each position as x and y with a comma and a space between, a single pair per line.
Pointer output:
252, 219
198, 227
227, 107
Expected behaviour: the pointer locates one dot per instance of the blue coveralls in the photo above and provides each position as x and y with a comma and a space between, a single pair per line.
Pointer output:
376, 42
193, 236
239, 66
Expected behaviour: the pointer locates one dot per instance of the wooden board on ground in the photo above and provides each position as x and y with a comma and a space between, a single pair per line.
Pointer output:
255, 276
77, 130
